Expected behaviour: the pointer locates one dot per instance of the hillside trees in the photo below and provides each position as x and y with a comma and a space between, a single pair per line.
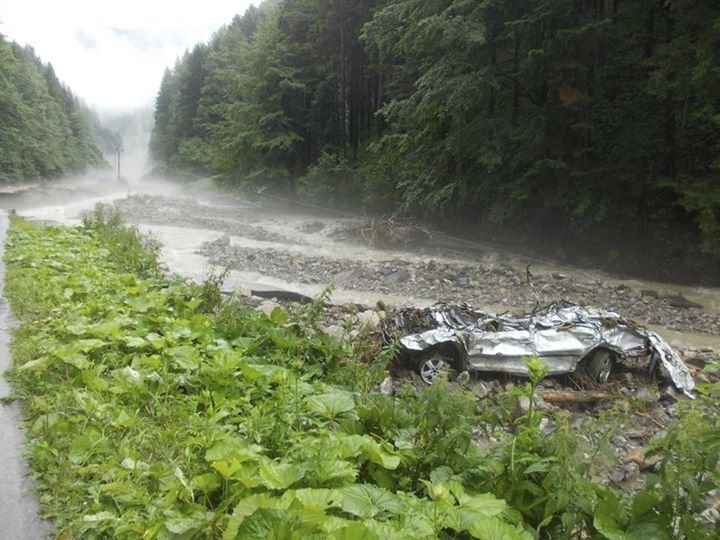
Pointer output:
257, 133
46, 131
284, 84
567, 115
593, 118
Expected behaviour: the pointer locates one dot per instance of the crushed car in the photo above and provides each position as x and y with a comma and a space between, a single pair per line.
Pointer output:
566, 337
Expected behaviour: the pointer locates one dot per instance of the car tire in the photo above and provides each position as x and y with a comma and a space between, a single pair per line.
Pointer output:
434, 364
600, 365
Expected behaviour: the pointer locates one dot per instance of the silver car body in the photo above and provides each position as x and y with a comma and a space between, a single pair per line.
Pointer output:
560, 336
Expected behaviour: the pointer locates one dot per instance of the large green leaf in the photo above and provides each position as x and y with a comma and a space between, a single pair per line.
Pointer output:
331, 405
185, 357
279, 475
244, 509
491, 528
367, 501
85, 445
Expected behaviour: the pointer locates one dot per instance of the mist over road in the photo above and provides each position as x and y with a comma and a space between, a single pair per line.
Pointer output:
272, 244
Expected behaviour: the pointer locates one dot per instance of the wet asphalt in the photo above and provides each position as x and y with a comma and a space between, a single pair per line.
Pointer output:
19, 508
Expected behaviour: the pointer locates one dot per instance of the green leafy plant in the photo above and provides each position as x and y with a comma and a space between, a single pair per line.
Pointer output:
126, 244
152, 416
674, 500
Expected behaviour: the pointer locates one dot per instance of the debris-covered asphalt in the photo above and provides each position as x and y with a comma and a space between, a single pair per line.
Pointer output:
301, 248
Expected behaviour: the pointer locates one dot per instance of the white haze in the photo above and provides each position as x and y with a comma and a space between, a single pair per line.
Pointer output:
135, 129
113, 54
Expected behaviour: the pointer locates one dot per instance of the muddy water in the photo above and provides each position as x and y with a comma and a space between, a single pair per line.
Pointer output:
185, 221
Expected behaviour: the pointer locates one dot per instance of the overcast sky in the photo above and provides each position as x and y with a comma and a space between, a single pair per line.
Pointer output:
113, 54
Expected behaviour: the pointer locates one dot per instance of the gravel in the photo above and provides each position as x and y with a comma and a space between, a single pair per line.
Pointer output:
478, 284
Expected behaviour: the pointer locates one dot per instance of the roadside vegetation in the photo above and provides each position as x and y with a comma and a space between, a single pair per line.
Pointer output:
158, 409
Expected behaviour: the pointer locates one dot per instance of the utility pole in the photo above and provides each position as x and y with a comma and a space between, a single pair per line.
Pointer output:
118, 150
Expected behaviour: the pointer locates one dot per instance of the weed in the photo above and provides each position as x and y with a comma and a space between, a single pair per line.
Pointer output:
132, 250
211, 294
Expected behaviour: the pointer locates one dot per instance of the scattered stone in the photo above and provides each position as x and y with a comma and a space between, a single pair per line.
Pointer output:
369, 318
619, 441
710, 515
679, 301
670, 394
542, 405
252, 301
349, 308
386, 387
267, 306
625, 473
335, 331
463, 378
457, 282
637, 456
396, 277
576, 420
647, 395
311, 227
348, 277
482, 390
524, 404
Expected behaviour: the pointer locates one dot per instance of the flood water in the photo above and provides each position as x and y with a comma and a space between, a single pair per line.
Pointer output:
279, 227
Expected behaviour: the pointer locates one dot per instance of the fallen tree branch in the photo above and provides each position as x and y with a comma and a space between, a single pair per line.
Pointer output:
581, 396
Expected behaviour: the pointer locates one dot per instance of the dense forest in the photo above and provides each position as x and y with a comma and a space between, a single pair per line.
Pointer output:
573, 119
46, 131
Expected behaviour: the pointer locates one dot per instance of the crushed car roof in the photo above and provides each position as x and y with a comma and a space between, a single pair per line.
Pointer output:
561, 334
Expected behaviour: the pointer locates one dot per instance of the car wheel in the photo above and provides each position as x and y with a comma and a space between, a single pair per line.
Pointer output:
433, 365
600, 365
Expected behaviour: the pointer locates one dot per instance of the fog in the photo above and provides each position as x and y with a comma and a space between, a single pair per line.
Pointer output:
134, 130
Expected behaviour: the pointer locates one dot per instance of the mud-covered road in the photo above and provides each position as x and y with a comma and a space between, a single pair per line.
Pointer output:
275, 244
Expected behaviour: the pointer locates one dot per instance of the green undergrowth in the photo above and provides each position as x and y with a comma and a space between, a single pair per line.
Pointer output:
155, 409
151, 417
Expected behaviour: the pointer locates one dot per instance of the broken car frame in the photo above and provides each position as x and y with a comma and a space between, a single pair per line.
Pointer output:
564, 336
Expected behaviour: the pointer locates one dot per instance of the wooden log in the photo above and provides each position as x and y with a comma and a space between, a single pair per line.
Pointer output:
575, 396
637, 455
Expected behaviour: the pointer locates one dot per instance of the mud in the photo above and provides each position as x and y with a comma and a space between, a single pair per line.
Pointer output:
309, 249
